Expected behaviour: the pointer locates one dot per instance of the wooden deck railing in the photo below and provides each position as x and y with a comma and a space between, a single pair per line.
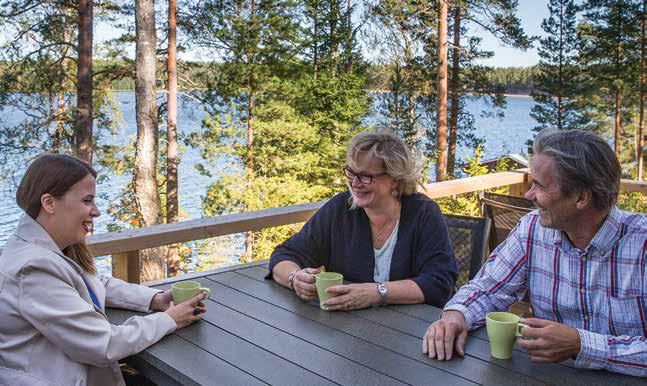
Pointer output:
125, 246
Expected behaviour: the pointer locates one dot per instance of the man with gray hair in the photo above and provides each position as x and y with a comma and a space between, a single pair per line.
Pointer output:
582, 259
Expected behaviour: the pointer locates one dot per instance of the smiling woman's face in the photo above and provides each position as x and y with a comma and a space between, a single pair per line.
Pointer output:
74, 213
378, 192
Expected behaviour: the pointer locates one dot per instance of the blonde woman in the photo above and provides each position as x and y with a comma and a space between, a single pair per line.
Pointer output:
391, 241
53, 327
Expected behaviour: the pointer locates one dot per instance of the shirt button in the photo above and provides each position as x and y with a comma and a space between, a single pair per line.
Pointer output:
581, 290
583, 258
586, 317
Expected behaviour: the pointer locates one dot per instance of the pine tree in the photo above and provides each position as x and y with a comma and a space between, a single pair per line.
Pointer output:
145, 183
640, 133
441, 120
172, 156
402, 28
469, 80
557, 86
83, 121
609, 49
46, 60
302, 118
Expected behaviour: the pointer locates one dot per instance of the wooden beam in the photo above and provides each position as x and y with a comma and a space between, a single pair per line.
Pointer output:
473, 184
633, 186
165, 234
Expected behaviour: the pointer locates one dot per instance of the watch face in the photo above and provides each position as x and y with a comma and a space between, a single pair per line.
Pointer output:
382, 289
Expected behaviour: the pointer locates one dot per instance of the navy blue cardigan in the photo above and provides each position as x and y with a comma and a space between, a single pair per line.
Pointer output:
340, 239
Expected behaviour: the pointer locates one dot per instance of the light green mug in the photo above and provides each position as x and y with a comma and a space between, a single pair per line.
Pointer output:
502, 330
185, 290
323, 280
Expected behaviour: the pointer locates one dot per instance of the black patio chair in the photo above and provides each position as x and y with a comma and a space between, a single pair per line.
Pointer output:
468, 236
504, 212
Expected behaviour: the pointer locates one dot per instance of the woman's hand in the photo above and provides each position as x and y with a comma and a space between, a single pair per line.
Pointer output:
304, 283
352, 297
188, 312
161, 301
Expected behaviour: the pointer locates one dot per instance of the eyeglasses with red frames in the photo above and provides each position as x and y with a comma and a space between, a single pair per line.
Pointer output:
364, 178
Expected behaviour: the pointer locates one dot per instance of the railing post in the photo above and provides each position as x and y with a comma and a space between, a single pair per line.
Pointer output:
126, 266
520, 189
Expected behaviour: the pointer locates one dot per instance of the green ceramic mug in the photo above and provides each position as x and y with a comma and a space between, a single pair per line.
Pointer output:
502, 330
323, 280
185, 290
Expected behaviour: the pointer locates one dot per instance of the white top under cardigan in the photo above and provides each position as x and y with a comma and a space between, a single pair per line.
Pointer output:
383, 257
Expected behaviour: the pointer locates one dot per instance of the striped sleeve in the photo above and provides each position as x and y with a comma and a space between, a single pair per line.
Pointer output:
621, 354
500, 282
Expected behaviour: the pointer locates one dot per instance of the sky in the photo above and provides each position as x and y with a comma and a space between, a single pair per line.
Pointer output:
531, 14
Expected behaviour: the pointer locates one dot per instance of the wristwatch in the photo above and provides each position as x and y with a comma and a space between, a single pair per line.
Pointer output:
291, 279
383, 291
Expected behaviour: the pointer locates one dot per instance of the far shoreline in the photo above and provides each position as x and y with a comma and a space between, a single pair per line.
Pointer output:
370, 91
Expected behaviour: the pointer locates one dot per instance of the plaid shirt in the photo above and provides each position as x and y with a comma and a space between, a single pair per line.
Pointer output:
601, 291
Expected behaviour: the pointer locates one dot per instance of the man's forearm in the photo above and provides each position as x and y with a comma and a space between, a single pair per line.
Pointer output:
621, 354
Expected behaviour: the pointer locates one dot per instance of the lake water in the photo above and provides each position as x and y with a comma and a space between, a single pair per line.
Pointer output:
502, 135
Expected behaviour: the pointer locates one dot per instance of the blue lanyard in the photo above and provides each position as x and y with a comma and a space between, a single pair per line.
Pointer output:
92, 295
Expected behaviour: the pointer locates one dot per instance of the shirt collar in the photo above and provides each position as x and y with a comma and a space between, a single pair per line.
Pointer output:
30, 231
604, 238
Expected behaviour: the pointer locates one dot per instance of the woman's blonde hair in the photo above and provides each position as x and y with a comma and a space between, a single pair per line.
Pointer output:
399, 161
55, 174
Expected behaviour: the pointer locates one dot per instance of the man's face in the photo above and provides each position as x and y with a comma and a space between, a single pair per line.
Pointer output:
556, 209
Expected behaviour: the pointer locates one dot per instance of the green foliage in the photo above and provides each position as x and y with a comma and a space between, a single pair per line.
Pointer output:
300, 113
404, 32
633, 202
301, 128
609, 34
515, 80
38, 81
558, 84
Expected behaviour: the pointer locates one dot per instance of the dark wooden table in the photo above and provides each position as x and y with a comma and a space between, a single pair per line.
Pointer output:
257, 332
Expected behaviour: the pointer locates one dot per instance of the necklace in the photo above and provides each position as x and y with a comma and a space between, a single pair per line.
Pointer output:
379, 234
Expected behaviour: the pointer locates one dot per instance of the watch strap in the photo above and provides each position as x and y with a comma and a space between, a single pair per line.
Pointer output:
382, 290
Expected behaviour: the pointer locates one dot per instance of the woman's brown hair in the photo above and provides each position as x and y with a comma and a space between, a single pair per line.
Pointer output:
55, 174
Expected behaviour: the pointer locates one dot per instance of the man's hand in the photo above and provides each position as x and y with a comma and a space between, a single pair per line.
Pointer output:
551, 341
352, 297
445, 334
304, 283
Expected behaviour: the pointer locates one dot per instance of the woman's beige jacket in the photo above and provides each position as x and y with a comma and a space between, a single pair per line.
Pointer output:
51, 333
